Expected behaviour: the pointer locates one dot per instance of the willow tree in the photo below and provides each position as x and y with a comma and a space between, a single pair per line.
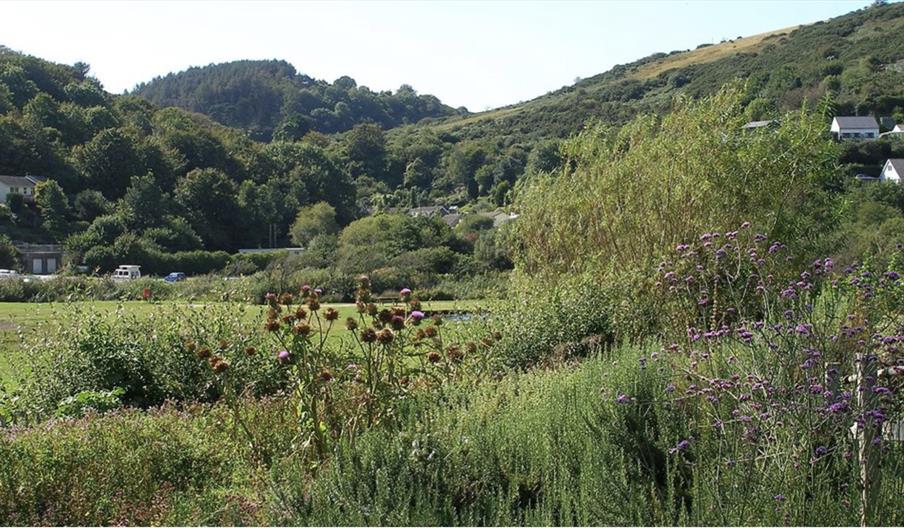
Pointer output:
622, 197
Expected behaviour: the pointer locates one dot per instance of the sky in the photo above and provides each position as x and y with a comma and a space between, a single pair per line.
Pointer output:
480, 55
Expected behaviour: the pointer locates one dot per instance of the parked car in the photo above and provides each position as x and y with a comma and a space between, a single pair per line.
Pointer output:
127, 272
176, 276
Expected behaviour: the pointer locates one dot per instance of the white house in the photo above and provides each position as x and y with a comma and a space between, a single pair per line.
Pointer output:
899, 129
24, 185
893, 171
855, 127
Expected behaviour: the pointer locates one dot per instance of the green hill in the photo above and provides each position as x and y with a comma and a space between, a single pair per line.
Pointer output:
271, 97
858, 58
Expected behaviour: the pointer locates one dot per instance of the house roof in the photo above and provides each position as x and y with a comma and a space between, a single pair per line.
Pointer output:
429, 210
19, 181
452, 219
758, 124
898, 165
857, 122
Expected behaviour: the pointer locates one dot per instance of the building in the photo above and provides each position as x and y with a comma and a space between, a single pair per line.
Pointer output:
898, 129
24, 185
263, 251
893, 171
40, 259
855, 127
431, 211
752, 125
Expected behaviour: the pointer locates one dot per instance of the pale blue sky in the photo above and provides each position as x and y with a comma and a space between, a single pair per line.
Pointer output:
474, 54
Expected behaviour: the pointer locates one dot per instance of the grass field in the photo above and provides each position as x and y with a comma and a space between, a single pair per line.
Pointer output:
18, 319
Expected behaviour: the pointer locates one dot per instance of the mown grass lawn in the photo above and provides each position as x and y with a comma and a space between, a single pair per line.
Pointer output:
18, 319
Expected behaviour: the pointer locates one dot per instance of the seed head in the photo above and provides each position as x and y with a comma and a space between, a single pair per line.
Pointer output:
272, 326
203, 353
351, 324
250, 351
368, 335
433, 357
331, 314
302, 329
385, 336
430, 331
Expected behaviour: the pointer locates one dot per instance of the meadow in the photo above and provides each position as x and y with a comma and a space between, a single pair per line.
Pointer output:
18, 320
691, 350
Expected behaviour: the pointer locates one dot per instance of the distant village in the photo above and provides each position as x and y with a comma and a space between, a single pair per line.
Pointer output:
861, 128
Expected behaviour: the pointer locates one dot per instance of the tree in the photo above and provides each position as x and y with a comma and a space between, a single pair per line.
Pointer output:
108, 162
417, 174
89, 204
312, 221
9, 255
365, 147
210, 201
54, 207
144, 204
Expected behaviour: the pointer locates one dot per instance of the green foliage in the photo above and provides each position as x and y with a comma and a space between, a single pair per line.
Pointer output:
313, 221
631, 195
54, 207
9, 255
151, 358
267, 96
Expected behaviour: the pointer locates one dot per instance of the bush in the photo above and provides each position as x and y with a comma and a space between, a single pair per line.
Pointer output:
151, 357
573, 318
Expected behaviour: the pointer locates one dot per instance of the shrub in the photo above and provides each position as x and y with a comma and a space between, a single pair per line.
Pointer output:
151, 357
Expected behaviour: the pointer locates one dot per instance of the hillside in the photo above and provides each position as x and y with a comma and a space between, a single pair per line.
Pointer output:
858, 58
271, 97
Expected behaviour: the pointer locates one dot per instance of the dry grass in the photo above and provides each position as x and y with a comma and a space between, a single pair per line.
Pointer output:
709, 53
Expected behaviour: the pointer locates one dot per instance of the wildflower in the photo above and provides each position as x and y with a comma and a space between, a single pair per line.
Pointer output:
250, 351
416, 316
283, 356
272, 326
371, 309
385, 336
325, 375
288, 319
313, 304
361, 306
351, 324
306, 289
221, 366
471, 347
745, 225
397, 322
368, 335
270, 298
331, 314
622, 399
301, 329
779, 498
433, 357
680, 446
430, 331
454, 353
437, 320
384, 316
203, 353
301, 313
405, 293
821, 451
286, 298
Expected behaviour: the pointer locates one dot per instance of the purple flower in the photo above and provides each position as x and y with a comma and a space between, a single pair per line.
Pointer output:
417, 315
283, 356
622, 399
779, 498
821, 451
745, 225
680, 446
405, 292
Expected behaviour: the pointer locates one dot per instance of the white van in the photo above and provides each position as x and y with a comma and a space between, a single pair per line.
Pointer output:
127, 272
